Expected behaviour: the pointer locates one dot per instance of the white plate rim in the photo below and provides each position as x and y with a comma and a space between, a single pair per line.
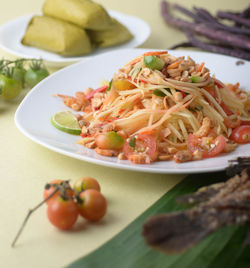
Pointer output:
145, 28
141, 168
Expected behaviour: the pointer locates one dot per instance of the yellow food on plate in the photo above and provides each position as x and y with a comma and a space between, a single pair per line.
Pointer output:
56, 36
84, 13
115, 35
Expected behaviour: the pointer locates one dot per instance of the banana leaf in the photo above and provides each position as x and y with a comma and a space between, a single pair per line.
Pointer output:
222, 248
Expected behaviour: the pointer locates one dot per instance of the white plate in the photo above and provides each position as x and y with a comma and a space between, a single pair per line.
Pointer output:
34, 113
12, 32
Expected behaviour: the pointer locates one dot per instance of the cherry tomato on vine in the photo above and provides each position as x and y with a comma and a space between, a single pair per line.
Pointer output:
62, 213
34, 75
9, 87
241, 134
86, 183
92, 205
18, 72
50, 189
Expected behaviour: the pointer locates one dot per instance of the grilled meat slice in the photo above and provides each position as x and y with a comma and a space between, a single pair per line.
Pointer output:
220, 205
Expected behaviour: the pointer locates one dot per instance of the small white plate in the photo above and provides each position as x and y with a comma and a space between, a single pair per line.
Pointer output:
34, 113
13, 31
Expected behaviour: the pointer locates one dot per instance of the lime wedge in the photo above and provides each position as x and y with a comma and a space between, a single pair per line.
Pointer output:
67, 122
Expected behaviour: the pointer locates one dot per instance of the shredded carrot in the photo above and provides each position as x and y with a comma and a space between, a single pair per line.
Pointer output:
149, 132
200, 67
64, 96
121, 111
134, 61
235, 86
135, 80
155, 53
174, 65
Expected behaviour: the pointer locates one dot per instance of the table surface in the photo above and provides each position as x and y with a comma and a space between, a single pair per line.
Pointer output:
26, 166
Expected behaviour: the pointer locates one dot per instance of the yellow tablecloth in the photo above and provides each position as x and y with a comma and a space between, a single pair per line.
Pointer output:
26, 167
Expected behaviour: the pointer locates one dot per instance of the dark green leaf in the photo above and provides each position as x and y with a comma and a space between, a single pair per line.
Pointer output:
110, 85
159, 93
197, 79
193, 109
132, 142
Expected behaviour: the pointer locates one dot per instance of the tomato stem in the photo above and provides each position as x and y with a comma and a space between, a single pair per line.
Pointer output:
5, 63
29, 214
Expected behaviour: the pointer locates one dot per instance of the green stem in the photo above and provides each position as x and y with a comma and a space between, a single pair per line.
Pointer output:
18, 60
29, 214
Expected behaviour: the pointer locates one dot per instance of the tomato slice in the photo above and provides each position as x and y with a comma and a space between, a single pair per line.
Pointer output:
140, 143
241, 134
217, 146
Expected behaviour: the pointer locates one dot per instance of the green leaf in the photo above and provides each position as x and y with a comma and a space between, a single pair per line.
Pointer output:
128, 248
132, 142
197, 79
110, 85
196, 108
232, 249
159, 93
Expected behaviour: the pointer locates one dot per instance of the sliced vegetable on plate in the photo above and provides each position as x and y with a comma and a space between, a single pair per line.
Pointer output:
66, 122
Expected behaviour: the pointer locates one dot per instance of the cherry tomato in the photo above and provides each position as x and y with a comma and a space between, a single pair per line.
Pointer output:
141, 143
62, 213
9, 87
34, 75
109, 140
217, 146
92, 205
241, 134
49, 190
18, 73
86, 183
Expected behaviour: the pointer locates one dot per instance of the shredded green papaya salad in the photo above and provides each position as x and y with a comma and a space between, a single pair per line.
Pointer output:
159, 107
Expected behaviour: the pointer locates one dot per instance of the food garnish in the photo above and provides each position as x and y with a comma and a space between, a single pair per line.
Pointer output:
160, 107
66, 122
216, 205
